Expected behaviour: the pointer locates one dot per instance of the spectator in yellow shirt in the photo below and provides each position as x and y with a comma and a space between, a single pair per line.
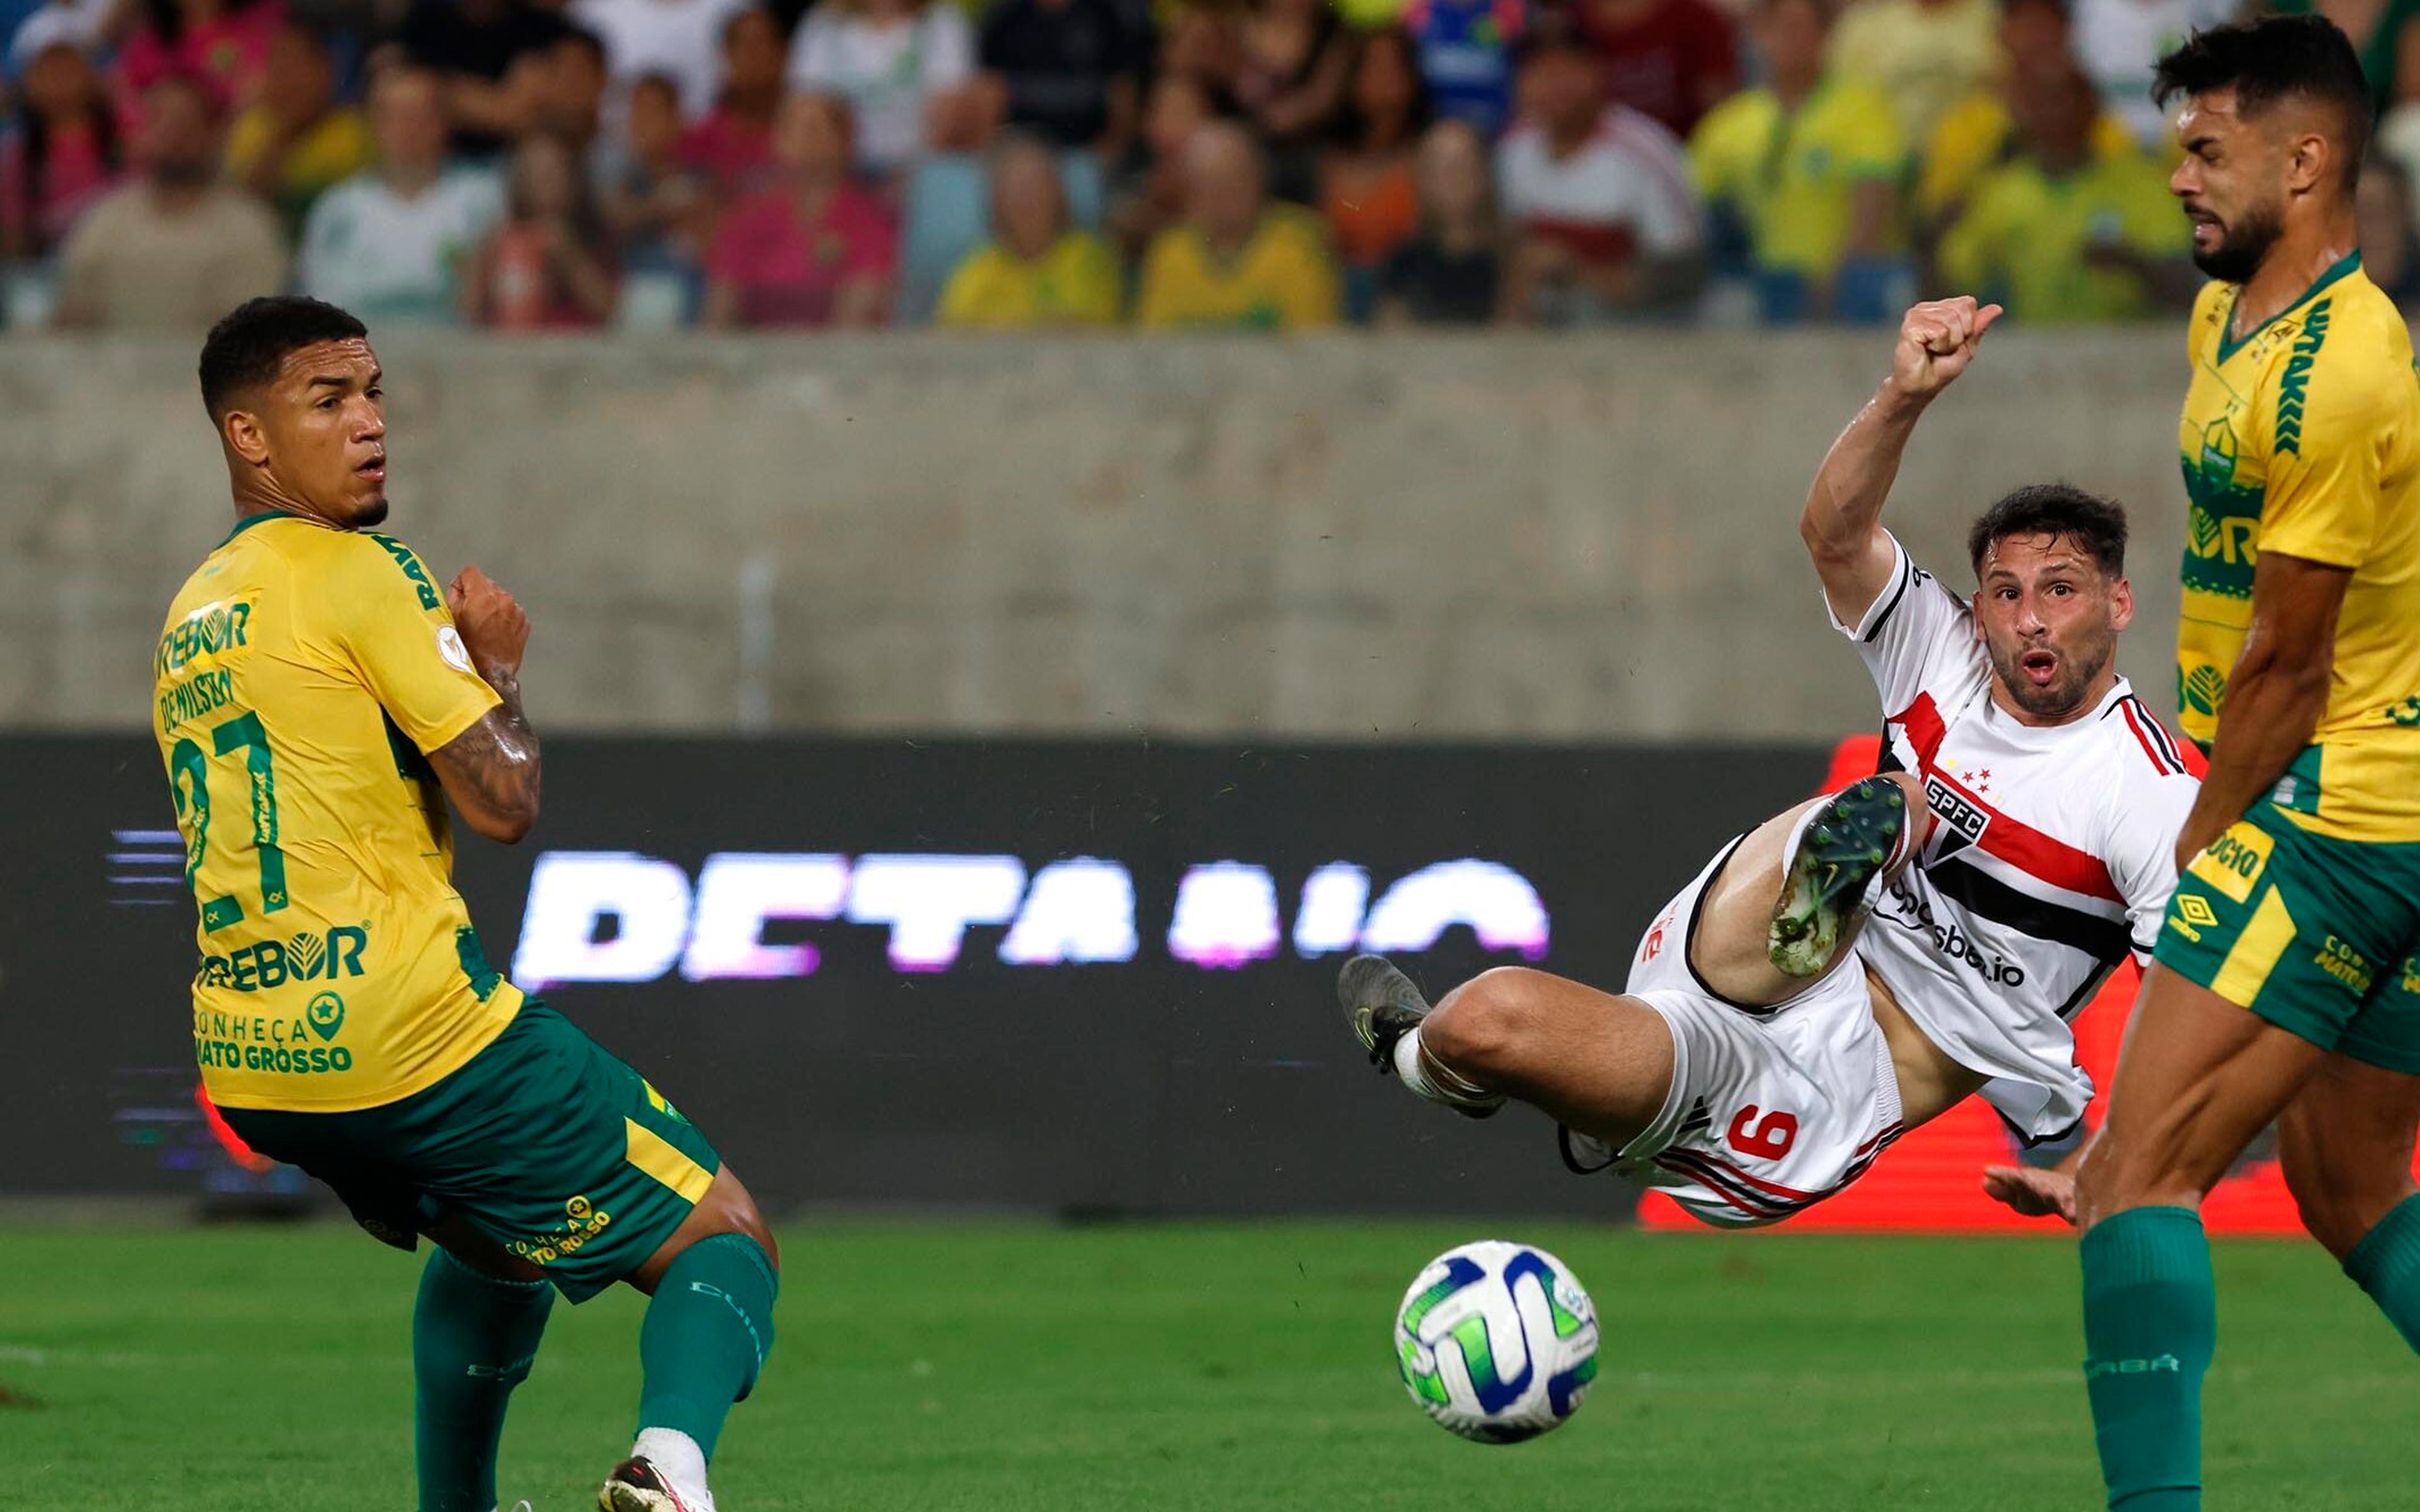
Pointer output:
295, 143
1977, 134
2062, 235
1238, 260
1037, 270
1807, 165
1923, 54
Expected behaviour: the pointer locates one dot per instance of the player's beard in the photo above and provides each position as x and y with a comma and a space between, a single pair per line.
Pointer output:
2243, 247
2077, 668
371, 515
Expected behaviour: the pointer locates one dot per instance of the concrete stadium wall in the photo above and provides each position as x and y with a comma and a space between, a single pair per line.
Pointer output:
1349, 537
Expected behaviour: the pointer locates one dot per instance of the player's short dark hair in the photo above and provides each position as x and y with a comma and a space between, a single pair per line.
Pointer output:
2271, 59
246, 348
2096, 524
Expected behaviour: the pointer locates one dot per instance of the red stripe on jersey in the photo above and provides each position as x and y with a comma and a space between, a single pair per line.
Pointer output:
1882, 1137
1745, 1192
1684, 1162
2163, 758
1921, 719
2027, 849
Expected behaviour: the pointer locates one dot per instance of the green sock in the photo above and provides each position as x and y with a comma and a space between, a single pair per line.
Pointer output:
2150, 1322
2387, 1264
472, 1340
705, 1337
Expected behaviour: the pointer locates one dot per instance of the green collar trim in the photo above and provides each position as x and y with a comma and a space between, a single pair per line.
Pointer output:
2229, 346
250, 520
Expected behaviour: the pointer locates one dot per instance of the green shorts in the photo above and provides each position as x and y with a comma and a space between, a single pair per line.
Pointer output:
2314, 934
543, 1142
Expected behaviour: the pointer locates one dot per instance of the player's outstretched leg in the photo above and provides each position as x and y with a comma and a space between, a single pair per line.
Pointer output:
1385, 1010
474, 1332
701, 1349
1839, 854
1597, 1063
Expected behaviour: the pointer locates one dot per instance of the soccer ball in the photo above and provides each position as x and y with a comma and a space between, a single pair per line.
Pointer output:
1496, 1341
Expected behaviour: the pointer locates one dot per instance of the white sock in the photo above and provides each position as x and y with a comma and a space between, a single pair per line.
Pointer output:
1430, 1078
682, 1462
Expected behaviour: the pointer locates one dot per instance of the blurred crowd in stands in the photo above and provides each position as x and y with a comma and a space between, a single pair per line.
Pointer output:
648, 164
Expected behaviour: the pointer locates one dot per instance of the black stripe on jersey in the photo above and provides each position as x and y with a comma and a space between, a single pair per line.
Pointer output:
2105, 940
1906, 579
2030, 1141
2158, 733
1571, 1156
2162, 751
1689, 942
2086, 990
1889, 761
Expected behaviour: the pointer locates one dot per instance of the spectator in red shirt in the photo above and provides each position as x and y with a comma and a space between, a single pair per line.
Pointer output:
224, 43
733, 145
547, 267
1672, 59
1366, 183
60, 156
1603, 216
812, 249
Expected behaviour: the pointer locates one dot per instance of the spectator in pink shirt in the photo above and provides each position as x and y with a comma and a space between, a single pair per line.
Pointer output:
222, 42
812, 249
61, 154
733, 145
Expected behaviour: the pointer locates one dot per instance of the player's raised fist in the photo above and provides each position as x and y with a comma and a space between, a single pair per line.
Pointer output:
493, 626
1936, 340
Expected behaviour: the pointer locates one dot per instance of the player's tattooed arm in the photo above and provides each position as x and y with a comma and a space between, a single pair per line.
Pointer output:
1842, 522
491, 770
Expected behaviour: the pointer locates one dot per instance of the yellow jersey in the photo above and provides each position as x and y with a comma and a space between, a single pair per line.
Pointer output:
1791, 175
2028, 238
1975, 136
302, 673
1281, 280
1920, 55
2303, 437
1075, 283
336, 146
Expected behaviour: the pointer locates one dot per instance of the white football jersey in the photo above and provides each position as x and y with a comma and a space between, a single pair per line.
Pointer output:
2053, 854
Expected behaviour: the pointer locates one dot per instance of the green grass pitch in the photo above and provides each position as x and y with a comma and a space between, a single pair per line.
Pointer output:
1185, 1366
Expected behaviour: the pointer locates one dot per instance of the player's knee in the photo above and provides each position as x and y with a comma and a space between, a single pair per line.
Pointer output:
2337, 1201
735, 1211
1484, 1024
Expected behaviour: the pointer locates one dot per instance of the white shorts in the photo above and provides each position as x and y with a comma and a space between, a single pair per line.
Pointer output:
1772, 1109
